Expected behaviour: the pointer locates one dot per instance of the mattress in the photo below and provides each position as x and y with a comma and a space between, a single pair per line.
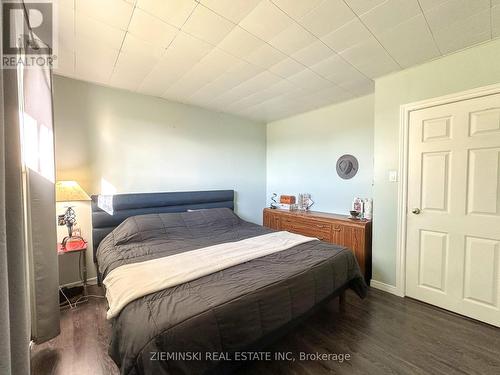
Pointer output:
189, 328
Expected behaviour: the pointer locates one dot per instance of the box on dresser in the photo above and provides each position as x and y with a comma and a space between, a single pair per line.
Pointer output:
337, 229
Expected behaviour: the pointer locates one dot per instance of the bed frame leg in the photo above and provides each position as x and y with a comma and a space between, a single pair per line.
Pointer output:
342, 302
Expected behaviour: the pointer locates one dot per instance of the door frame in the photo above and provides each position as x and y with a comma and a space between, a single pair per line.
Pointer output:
404, 125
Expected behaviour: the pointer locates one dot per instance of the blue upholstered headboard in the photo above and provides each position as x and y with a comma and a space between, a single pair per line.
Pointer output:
126, 205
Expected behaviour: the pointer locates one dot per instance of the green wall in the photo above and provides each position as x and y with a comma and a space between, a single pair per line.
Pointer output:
468, 69
302, 153
111, 140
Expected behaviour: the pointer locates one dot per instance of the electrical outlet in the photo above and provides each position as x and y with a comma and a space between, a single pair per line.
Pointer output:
393, 176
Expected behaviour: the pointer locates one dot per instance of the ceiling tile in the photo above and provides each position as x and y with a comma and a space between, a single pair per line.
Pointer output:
65, 62
182, 89
287, 67
88, 47
236, 75
220, 59
223, 83
326, 17
495, 21
292, 39
330, 95
454, 11
151, 29
466, 32
254, 84
296, 8
407, 54
363, 6
370, 58
130, 70
101, 33
132, 44
241, 72
309, 80
115, 13
272, 108
277, 89
429, 4
240, 42
215, 63
390, 14
189, 47
163, 75
93, 62
173, 12
358, 87
265, 56
337, 70
207, 25
66, 29
233, 10
182, 55
347, 35
266, 21
313, 53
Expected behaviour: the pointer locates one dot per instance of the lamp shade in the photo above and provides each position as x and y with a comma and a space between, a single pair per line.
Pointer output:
67, 191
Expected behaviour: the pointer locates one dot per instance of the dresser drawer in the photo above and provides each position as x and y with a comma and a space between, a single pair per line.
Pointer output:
309, 233
316, 224
311, 228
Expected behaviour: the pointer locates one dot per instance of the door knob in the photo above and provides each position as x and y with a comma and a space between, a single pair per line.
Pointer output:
416, 211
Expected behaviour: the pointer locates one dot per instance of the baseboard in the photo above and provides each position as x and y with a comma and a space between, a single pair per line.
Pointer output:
91, 281
385, 287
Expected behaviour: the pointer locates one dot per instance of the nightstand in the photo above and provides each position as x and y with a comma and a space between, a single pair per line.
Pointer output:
82, 265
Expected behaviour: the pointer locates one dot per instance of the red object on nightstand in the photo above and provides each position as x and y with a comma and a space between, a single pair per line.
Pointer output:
73, 244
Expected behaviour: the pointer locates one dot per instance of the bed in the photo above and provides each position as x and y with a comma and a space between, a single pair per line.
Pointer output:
203, 325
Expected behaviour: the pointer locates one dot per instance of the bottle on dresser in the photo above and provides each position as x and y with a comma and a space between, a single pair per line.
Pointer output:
364, 207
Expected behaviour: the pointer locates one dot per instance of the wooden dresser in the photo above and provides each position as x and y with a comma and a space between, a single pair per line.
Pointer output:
337, 229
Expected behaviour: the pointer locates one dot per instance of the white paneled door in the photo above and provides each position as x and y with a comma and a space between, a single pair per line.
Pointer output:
453, 219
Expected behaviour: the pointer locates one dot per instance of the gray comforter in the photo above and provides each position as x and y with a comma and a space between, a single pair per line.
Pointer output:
239, 308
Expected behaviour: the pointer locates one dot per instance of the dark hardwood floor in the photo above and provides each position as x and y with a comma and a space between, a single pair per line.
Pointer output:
383, 334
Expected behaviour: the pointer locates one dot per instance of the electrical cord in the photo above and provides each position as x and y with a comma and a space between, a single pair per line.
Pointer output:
80, 274
87, 296
65, 297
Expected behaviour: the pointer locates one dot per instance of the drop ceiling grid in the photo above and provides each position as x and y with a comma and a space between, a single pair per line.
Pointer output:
298, 54
235, 88
305, 67
180, 78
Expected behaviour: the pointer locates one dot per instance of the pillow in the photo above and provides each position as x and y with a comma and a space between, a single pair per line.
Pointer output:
210, 216
138, 228
157, 226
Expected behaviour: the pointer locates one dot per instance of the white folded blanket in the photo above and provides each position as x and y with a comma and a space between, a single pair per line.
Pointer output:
129, 282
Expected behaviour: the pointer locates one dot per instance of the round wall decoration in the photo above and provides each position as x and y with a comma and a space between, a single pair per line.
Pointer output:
347, 166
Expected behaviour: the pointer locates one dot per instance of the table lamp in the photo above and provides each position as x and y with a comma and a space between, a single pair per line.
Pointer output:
69, 191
